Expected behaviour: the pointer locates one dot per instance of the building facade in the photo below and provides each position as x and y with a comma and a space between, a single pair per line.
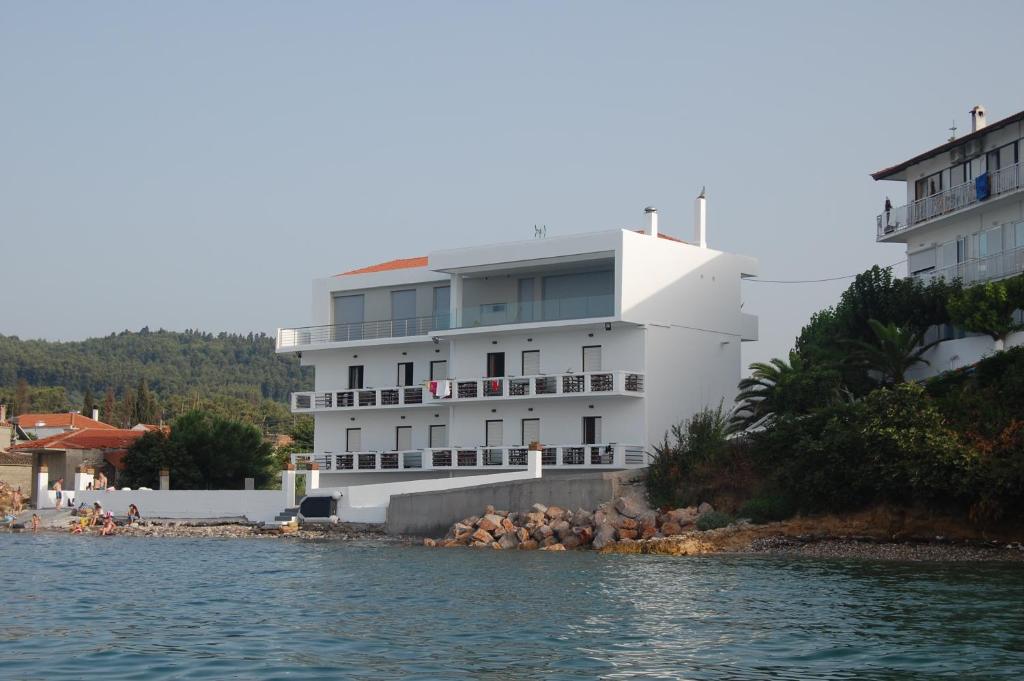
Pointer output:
963, 218
592, 345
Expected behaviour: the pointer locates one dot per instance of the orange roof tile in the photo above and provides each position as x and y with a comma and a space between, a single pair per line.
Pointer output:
88, 438
70, 421
400, 264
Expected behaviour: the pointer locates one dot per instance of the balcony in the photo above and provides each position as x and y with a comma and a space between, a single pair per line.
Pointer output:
956, 198
491, 314
596, 383
979, 270
567, 457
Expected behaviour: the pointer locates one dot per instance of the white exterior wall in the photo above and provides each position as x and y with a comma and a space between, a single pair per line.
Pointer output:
377, 426
380, 364
256, 505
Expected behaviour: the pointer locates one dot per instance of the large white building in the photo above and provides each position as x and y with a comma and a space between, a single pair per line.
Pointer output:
452, 364
963, 218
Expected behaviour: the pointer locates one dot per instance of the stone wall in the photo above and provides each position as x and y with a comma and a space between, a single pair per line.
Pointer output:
18, 476
432, 513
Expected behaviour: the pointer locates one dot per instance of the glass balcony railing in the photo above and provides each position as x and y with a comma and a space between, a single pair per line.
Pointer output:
555, 309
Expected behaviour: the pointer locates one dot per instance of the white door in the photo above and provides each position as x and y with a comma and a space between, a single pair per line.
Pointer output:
353, 440
494, 434
403, 438
591, 358
439, 436
531, 431
531, 362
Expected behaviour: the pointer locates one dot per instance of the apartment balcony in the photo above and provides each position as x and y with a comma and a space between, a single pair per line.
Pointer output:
470, 317
955, 199
596, 383
979, 270
608, 456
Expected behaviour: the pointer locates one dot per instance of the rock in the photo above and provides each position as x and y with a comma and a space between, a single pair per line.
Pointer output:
562, 529
471, 520
582, 518
449, 543
496, 546
522, 534
550, 541
630, 507
535, 518
429, 542
528, 545
571, 542
494, 518
554, 512
508, 525
605, 535
482, 536
479, 545
488, 510
648, 532
554, 547
670, 529
508, 541
599, 518
627, 534
539, 508
584, 534
625, 523
503, 514
705, 507
543, 532
487, 525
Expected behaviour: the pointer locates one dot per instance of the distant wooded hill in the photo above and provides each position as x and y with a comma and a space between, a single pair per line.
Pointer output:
151, 375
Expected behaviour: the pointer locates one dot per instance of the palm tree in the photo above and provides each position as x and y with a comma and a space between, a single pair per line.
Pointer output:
759, 394
895, 351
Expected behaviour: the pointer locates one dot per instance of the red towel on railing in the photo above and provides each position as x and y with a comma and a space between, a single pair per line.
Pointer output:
495, 386
432, 387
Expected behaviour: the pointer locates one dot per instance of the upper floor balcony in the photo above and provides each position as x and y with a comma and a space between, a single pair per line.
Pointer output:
949, 201
979, 270
595, 383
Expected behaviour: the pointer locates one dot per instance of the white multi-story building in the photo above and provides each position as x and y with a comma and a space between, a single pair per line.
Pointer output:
963, 217
452, 364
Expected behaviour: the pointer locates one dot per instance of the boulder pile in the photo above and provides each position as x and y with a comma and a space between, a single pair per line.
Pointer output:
551, 528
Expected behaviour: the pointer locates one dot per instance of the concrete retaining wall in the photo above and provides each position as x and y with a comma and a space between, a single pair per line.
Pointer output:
432, 513
256, 505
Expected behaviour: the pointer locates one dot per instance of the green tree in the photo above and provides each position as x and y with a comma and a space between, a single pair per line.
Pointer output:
988, 308
126, 415
88, 403
146, 410
201, 451
109, 406
777, 387
22, 399
894, 352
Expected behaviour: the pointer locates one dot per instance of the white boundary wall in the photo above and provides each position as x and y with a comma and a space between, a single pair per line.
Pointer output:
255, 505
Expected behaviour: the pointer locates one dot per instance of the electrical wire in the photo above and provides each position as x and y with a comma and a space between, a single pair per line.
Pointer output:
812, 281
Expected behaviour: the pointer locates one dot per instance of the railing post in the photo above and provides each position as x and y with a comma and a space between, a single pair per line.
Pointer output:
533, 463
288, 484
427, 459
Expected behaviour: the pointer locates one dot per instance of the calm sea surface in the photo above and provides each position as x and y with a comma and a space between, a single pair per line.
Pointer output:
136, 608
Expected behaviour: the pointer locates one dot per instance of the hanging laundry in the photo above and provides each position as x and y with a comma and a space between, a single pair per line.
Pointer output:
432, 387
495, 386
444, 388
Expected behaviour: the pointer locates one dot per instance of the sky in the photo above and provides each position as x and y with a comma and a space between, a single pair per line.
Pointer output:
195, 165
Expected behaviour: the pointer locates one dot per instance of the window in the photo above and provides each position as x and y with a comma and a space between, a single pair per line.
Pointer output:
591, 430
438, 435
525, 300
495, 364
404, 373
591, 358
579, 295
1018, 235
353, 439
355, 377
442, 307
530, 431
403, 312
493, 435
438, 369
348, 317
921, 261
403, 438
531, 362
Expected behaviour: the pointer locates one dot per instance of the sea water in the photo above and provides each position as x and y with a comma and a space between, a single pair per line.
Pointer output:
145, 608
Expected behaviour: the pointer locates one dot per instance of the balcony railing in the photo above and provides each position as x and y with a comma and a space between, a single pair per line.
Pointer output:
1003, 181
491, 314
978, 270
476, 389
573, 457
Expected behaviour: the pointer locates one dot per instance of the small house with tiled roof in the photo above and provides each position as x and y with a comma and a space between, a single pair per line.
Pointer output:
100, 448
45, 425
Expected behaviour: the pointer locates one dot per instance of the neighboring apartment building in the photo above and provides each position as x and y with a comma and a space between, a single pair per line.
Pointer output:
963, 217
593, 345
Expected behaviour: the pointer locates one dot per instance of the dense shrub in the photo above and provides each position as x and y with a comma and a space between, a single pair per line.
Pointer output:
712, 520
767, 509
696, 444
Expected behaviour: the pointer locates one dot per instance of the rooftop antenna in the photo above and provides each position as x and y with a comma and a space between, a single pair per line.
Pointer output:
540, 232
952, 131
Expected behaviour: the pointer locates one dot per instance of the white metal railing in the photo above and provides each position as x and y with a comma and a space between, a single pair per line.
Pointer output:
592, 383
978, 270
957, 197
573, 457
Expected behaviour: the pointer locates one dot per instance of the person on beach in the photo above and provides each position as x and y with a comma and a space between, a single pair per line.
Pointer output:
58, 487
108, 525
133, 514
97, 513
17, 500
35, 522
101, 481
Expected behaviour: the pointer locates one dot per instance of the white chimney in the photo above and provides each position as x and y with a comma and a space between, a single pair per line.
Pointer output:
977, 118
700, 221
95, 414
652, 220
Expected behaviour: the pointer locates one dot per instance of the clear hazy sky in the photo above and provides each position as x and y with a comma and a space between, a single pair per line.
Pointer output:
196, 164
